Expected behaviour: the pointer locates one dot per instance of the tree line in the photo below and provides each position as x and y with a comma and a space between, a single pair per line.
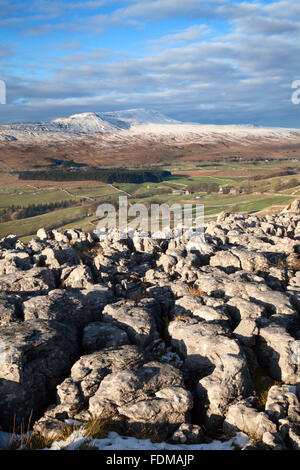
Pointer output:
19, 212
103, 175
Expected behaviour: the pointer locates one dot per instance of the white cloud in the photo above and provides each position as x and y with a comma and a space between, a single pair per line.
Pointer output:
239, 76
191, 33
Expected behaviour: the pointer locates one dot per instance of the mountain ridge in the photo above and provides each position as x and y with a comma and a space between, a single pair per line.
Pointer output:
136, 121
134, 137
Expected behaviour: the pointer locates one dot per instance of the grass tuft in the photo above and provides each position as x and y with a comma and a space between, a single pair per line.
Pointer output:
262, 384
195, 292
98, 428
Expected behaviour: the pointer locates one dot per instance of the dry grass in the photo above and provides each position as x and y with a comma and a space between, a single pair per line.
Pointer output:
35, 440
154, 435
98, 428
87, 445
181, 317
293, 263
281, 264
262, 384
262, 396
195, 292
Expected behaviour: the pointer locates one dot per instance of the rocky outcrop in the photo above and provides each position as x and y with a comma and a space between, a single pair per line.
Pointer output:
35, 357
160, 335
243, 417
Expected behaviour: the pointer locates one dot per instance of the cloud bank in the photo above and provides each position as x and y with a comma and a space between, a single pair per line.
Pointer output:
217, 61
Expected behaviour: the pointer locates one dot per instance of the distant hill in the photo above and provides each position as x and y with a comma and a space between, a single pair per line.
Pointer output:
137, 137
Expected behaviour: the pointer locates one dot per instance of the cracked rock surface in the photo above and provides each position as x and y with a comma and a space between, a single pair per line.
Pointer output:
157, 335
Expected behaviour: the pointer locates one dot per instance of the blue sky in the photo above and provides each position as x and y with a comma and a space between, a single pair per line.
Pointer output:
215, 61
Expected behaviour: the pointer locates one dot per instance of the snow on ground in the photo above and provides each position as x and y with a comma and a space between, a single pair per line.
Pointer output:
140, 124
137, 116
116, 442
7, 439
211, 133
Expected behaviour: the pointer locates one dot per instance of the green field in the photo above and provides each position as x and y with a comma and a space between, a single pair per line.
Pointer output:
258, 195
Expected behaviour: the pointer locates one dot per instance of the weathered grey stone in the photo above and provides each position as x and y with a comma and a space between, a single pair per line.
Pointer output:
121, 388
63, 306
186, 305
188, 434
251, 260
273, 441
242, 417
101, 335
87, 373
32, 282
167, 262
90, 370
79, 277
56, 256
59, 237
170, 407
241, 309
42, 234
275, 302
230, 381
246, 332
294, 438
210, 314
50, 428
191, 305
280, 401
226, 260
10, 308
95, 298
246, 269
212, 301
203, 344
35, 356
210, 285
275, 350
137, 320
12, 261
293, 207
9, 242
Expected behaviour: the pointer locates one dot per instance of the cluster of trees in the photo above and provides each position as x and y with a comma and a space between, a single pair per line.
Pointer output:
19, 212
276, 174
103, 175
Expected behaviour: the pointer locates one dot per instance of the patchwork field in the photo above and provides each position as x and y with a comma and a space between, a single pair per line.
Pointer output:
257, 187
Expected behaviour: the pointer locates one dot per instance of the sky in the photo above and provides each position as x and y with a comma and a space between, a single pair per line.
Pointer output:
214, 61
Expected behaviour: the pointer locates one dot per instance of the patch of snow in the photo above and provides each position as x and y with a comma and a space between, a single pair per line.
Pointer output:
7, 439
140, 125
137, 116
171, 357
116, 442
84, 123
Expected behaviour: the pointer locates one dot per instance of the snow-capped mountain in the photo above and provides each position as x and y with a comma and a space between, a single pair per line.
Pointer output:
91, 124
137, 116
84, 123
140, 126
